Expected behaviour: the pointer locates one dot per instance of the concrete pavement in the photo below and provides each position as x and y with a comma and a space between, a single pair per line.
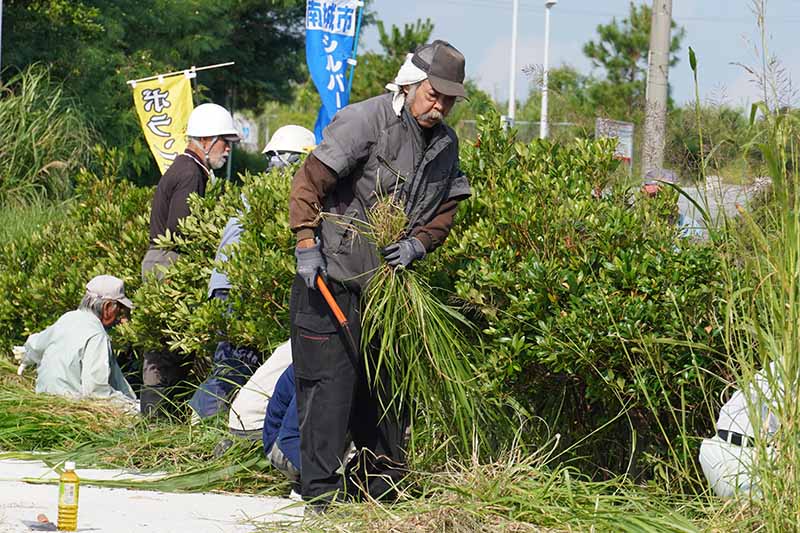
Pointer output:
122, 510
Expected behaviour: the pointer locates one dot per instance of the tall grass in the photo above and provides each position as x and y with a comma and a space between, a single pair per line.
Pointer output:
44, 138
20, 220
763, 326
422, 354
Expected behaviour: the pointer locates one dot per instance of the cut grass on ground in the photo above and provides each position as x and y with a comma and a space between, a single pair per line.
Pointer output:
521, 492
53, 430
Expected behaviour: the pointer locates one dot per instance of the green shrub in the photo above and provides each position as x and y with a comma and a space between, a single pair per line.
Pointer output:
588, 305
577, 294
43, 141
44, 273
176, 311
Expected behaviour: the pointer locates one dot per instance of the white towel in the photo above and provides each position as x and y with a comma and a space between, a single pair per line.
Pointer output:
409, 74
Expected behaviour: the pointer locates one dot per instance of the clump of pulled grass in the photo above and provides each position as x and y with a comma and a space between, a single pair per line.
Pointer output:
422, 353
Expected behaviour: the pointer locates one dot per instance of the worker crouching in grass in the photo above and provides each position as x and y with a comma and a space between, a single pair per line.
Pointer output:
395, 144
74, 358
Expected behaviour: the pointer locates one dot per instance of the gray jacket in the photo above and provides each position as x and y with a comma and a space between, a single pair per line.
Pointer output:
374, 152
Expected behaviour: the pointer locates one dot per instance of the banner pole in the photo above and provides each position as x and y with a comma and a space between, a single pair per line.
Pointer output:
352, 61
193, 69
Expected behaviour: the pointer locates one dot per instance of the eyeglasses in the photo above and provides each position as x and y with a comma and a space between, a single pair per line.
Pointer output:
228, 142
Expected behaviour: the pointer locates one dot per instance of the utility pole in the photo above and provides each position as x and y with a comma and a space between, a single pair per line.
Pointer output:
1, 40
657, 84
543, 126
512, 80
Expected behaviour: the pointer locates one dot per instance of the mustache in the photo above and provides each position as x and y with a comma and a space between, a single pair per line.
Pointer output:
432, 116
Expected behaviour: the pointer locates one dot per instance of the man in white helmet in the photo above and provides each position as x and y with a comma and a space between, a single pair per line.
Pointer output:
211, 134
287, 144
234, 365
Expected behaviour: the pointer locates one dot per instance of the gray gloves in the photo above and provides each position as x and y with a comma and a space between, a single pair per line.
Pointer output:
404, 252
310, 262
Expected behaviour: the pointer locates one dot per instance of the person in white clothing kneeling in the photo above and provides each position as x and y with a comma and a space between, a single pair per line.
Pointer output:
74, 356
729, 458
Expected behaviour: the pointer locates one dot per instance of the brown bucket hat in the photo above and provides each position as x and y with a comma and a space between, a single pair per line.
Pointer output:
444, 65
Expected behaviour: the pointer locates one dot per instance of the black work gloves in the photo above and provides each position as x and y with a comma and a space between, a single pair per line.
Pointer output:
310, 262
404, 252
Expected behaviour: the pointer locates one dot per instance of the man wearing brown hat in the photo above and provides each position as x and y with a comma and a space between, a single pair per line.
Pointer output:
394, 144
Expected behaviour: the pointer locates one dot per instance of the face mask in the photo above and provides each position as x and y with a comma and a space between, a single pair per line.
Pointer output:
283, 160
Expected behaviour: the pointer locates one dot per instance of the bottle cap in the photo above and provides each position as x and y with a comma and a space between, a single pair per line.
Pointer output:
69, 465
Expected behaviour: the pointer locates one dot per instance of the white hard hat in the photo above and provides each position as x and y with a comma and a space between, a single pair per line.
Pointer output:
211, 120
291, 138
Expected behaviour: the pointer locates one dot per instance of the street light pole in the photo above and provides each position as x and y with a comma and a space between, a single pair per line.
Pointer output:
1, 40
543, 126
512, 80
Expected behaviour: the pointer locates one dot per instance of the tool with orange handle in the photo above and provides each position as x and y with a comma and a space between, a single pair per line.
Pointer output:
337, 312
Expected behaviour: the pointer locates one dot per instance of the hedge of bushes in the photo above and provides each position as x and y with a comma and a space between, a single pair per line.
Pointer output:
591, 303
588, 300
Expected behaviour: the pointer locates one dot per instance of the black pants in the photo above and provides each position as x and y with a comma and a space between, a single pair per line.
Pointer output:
164, 375
334, 397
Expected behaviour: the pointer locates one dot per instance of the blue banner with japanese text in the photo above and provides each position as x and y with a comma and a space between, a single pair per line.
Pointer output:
330, 35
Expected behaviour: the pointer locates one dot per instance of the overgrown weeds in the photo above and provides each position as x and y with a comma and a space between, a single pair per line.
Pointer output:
43, 141
763, 332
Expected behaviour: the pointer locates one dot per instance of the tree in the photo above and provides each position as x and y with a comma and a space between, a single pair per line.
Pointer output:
621, 50
268, 46
569, 101
375, 70
95, 46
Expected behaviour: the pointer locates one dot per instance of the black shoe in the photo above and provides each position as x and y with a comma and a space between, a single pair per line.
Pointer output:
318, 505
375, 475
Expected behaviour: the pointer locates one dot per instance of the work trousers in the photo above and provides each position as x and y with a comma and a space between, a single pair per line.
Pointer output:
155, 258
731, 469
232, 367
162, 370
334, 398
164, 374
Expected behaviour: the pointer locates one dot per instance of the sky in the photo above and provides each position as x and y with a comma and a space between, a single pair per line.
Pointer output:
723, 33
